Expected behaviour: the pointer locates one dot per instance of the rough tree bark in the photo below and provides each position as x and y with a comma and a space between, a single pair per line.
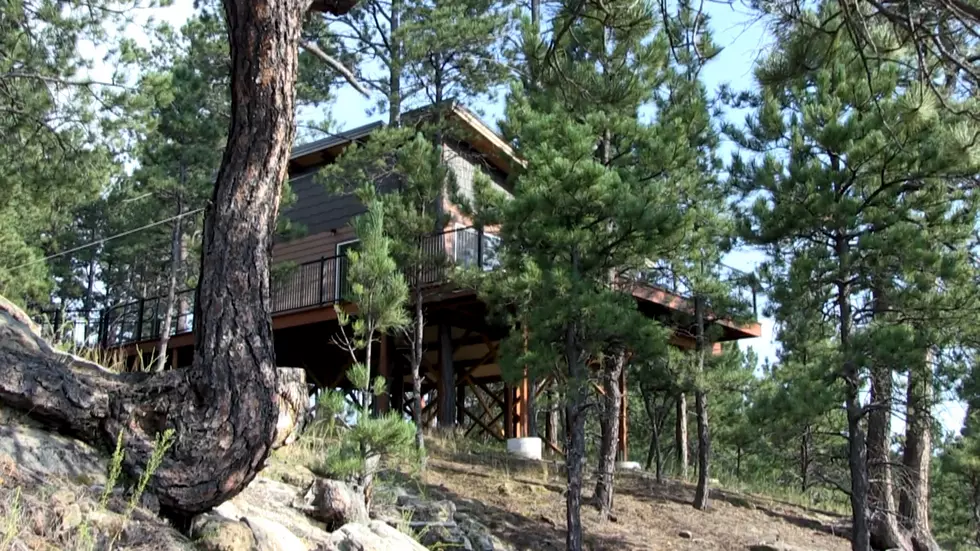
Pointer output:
656, 415
913, 506
701, 410
857, 452
885, 532
611, 372
680, 435
418, 348
575, 437
223, 409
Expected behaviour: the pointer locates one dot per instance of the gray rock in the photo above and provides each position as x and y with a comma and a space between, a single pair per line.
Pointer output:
272, 536
441, 536
273, 501
334, 503
213, 532
686, 534
442, 511
374, 536
293, 403
47, 454
479, 535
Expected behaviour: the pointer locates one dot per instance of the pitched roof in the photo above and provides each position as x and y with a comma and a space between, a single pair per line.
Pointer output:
470, 129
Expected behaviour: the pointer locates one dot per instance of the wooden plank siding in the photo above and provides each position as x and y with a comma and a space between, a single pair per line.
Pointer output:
312, 247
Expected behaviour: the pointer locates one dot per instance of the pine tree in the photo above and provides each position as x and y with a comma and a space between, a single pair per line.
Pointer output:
55, 156
599, 200
857, 178
378, 289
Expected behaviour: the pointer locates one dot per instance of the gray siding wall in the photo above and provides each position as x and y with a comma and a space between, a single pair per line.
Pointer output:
464, 164
317, 210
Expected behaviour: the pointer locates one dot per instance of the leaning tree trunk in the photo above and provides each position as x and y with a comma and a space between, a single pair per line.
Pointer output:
612, 370
223, 410
914, 504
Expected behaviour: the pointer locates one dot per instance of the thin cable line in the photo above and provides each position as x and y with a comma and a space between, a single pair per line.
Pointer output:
107, 239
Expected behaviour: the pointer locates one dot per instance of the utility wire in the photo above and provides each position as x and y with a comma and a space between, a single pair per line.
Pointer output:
106, 239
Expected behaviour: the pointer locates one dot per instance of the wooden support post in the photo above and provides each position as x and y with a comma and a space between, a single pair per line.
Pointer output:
522, 420
461, 405
397, 380
447, 378
510, 423
624, 416
382, 403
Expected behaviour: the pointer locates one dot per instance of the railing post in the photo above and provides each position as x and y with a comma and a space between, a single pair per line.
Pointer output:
323, 261
56, 328
139, 320
479, 248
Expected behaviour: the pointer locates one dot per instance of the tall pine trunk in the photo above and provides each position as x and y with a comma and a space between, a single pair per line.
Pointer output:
575, 411
701, 409
885, 531
857, 458
418, 348
395, 66
611, 372
914, 503
680, 435
575, 449
176, 238
704, 450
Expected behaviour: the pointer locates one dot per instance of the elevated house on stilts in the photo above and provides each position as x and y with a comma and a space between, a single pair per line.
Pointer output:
462, 385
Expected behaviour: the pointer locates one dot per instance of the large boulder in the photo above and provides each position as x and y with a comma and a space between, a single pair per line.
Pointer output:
334, 503
274, 502
46, 454
272, 536
374, 536
213, 532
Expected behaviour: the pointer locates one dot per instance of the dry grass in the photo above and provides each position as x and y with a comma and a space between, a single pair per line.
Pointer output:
523, 503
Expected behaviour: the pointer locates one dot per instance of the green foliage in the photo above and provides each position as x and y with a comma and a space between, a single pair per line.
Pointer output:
379, 291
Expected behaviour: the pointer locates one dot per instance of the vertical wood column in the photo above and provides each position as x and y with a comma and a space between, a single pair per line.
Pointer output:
397, 381
624, 416
447, 378
509, 418
521, 410
461, 405
382, 404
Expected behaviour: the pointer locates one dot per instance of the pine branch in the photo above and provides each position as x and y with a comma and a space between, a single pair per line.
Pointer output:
336, 65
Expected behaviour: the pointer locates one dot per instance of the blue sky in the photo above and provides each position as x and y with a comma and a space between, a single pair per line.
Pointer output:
742, 38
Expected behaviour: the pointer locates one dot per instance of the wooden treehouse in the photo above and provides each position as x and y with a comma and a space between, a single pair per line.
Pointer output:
462, 385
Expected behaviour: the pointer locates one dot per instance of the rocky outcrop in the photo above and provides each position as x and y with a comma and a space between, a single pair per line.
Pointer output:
266, 501
334, 503
293, 401
37, 450
212, 532
373, 536
439, 525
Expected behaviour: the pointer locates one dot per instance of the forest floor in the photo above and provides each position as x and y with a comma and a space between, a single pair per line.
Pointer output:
523, 503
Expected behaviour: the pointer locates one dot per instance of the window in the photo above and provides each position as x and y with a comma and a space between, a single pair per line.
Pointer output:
342, 290
468, 251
